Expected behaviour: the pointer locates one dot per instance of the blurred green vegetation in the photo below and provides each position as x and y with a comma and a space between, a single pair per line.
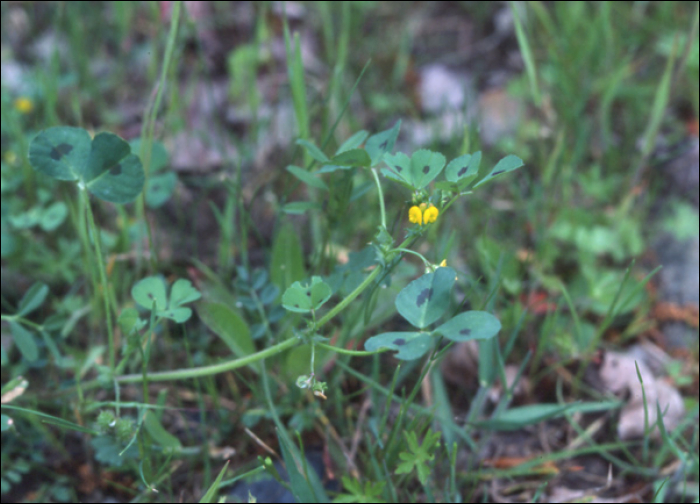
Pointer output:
595, 87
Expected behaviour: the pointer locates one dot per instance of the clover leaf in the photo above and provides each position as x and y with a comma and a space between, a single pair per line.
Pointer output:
471, 325
415, 172
382, 143
410, 345
423, 302
104, 165
463, 169
426, 299
150, 293
304, 298
505, 165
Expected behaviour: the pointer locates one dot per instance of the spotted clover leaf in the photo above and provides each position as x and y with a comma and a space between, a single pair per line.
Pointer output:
423, 302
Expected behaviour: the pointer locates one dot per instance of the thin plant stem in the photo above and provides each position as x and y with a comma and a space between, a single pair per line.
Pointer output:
352, 353
419, 255
381, 197
149, 125
351, 297
222, 367
103, 280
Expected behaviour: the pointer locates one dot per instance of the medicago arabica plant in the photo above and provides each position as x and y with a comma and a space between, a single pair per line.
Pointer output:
105, 167
422, 303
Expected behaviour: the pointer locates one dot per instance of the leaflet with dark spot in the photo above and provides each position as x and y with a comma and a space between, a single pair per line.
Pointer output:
424, 296
60, 150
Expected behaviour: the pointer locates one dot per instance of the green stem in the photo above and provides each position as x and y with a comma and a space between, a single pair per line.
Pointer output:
81, 224
409, 251
382, 211
103, 280
313, 356
353, 353
181, 374
149, 125
351, 297
146, 353
450, 203
20, 320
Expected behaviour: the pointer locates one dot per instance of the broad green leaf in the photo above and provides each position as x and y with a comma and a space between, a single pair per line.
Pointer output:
60, 152
446, 186
382, 143
159, 155
353, 157
353, 142
53, 216
105, 165
400, 165
158, 433
471, 325
300, 207
149, 290
32, 299
392, 176
304, 298
183, 292
425, 166
25, 342
475, 163
287, 264
5, 423
113, 173
313, 151
463, 169
159, 189
505, 165
308, 178
178, 315
426, 299
418, 170
229, 326
410, 345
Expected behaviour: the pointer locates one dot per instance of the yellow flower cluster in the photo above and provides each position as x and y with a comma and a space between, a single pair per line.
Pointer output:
423, 214
24, 105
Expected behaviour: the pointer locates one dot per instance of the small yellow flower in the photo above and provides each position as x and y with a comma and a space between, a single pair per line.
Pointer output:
24, 105
430, 214
415, 215
422, 214
443, 264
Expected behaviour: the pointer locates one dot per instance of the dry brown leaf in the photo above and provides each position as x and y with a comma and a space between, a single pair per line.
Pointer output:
618, 373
